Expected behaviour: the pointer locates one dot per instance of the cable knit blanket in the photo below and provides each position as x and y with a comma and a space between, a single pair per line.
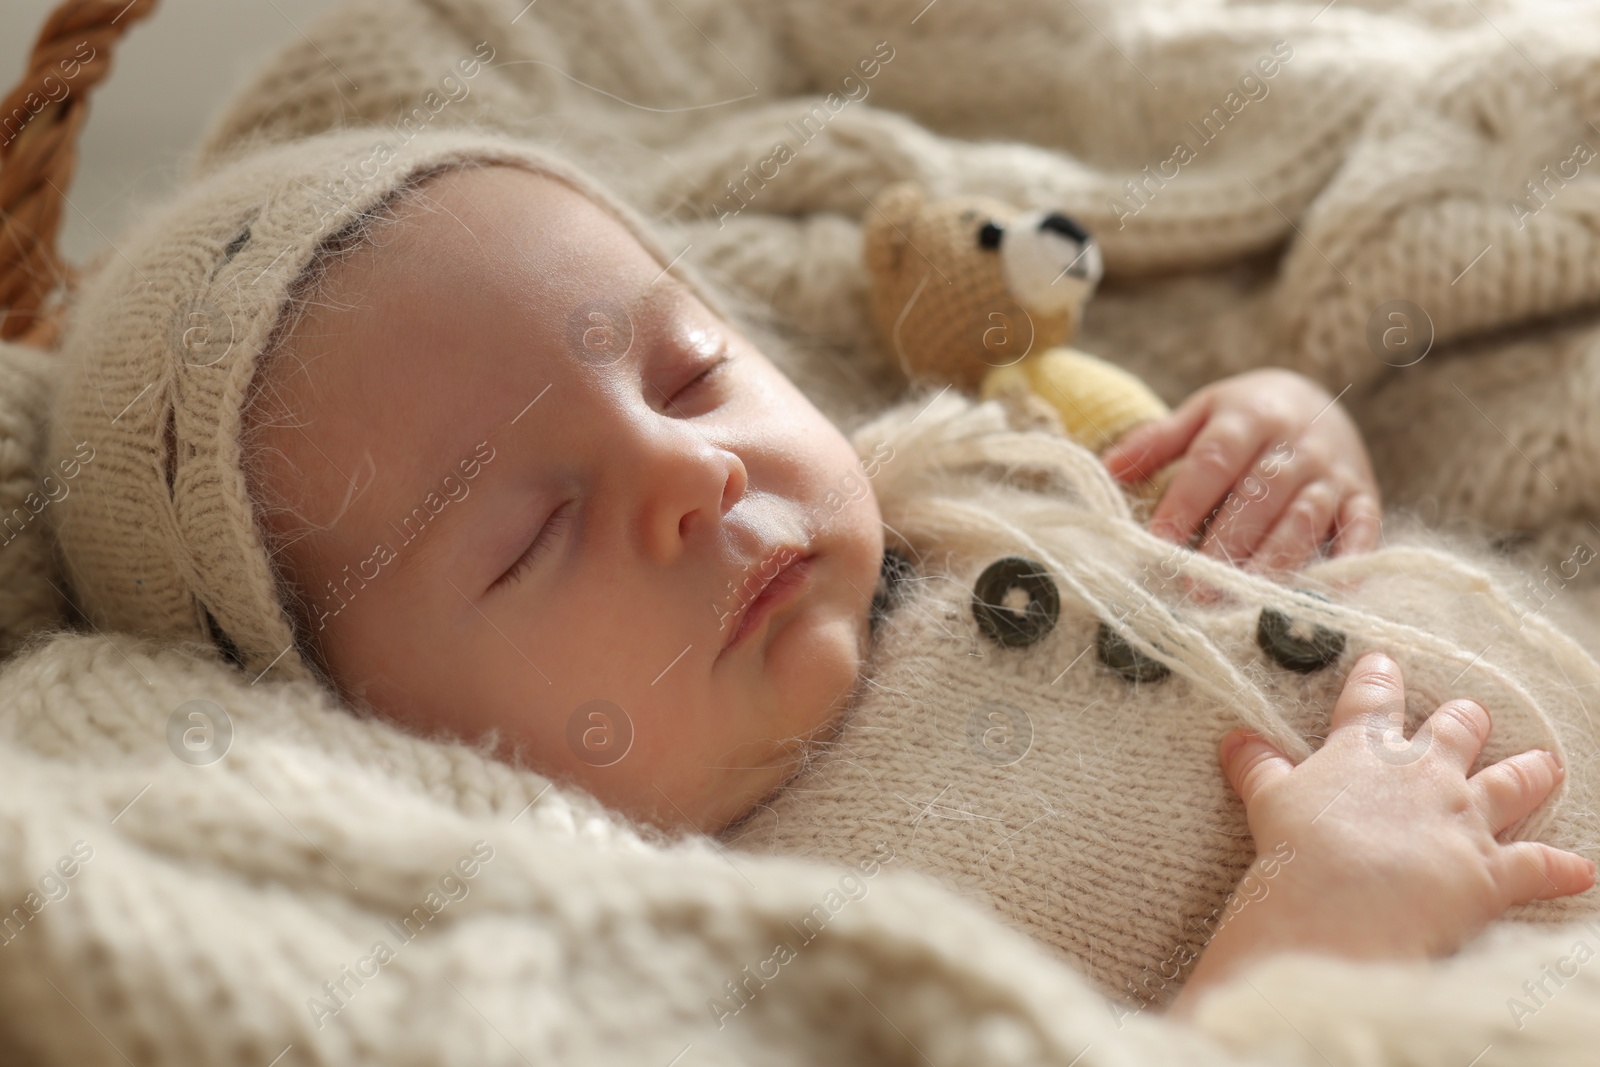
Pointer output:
195, 870
1394, 198
198, 870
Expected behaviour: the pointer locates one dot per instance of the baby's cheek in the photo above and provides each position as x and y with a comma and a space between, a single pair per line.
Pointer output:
814, 663
840, 497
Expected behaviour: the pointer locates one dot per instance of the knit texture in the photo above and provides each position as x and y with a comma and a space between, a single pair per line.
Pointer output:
28, 488
220, 898
941, 306
1089, 809
229, 912
201, 870
160, 537
1327, 187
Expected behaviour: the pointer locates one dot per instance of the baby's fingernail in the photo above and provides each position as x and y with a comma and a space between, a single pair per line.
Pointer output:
1231, 744
1555, 764
1165, 528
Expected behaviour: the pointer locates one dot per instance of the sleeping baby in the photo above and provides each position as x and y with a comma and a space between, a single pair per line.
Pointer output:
445, 429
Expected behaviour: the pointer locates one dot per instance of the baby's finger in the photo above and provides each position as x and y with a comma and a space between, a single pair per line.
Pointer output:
1251, 763
1458, 729
1374, 695
1507, 791
1213, 463
1251, 509
1359, 525
1145, 449
1532, 870
1298, 532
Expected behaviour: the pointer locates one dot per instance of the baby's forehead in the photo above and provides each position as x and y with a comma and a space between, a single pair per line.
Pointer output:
482, 206
499, 232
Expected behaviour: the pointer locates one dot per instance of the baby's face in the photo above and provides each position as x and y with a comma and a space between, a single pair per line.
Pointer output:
531, 484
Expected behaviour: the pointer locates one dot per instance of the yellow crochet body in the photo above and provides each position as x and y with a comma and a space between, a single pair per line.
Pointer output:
1097, 401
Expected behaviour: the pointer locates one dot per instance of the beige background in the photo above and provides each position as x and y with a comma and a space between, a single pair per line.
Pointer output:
171, 71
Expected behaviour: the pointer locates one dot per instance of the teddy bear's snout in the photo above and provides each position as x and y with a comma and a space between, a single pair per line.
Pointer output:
1051, 263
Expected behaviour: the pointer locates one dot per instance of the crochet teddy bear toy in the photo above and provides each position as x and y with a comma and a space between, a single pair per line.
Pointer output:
975, 293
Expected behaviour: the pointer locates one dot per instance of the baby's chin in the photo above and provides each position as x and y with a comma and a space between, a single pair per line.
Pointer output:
789, 760
821, 668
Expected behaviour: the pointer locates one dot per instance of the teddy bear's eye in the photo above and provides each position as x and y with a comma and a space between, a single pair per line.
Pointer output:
989, 236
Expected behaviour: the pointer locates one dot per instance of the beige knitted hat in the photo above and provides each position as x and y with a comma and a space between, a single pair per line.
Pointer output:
157, 534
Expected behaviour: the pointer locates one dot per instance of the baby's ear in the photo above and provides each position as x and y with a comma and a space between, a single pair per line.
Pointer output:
885, 225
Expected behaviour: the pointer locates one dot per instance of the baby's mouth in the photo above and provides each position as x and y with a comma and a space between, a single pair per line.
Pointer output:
793, 567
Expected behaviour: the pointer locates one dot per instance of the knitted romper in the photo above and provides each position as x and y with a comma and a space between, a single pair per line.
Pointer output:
1007, 744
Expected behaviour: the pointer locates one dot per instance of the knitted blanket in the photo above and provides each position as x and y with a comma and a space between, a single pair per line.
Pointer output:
199, 870
1393, 198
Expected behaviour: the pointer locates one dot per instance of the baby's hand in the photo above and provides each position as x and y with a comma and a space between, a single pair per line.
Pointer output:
1387, 859
1272, 468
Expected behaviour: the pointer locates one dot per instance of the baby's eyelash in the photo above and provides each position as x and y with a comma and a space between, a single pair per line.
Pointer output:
540, 543
714, 369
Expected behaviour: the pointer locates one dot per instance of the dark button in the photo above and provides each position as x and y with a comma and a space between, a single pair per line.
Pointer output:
895, 570
1116, 652
1295, 645
1004, 624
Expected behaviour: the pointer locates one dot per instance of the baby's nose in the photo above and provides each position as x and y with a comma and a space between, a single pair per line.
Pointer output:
686, 484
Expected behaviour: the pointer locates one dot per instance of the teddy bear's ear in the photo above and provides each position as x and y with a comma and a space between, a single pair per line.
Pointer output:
884, 226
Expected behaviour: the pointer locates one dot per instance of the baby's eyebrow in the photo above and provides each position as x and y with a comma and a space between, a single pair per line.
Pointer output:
666, 289
433, 537
441, 528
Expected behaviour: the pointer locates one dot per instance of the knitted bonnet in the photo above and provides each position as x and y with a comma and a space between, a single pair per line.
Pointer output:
157, 534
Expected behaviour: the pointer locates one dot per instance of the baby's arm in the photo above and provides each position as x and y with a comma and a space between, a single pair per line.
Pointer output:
1272, 467
1388, 861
